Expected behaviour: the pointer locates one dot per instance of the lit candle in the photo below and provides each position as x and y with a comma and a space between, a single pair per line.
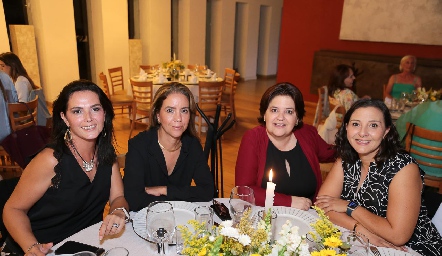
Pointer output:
270, 191
174, 58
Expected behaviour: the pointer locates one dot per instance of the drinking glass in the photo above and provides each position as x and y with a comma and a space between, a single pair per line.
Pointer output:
196, 68
204, 214
160, 223
179, 242
359, 244
117, 251
242, 198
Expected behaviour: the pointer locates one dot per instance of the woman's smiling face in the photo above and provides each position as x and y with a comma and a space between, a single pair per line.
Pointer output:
281, 116
366, 130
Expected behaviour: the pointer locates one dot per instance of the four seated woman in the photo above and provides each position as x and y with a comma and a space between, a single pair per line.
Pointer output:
162, 161
375, 187
286, 145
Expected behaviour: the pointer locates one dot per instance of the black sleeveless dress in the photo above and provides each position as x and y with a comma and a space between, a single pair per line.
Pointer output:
373, 196
72, 203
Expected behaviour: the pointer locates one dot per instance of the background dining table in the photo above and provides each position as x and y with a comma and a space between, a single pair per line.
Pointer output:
137, 245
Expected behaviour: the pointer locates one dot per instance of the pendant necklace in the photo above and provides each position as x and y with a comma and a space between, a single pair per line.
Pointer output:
87, 166
173, 150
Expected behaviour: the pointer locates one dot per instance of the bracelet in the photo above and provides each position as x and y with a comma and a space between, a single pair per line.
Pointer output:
354, 227
126, 214
32, 246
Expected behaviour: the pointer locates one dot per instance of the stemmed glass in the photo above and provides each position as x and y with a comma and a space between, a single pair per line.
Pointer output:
242, 198
160, 223
197, 68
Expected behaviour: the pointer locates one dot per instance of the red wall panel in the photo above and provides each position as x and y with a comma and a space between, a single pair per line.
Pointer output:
309, 26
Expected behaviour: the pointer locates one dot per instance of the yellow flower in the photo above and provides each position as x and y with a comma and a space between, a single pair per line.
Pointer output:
202, 252
327, 252
255, 254
333, 242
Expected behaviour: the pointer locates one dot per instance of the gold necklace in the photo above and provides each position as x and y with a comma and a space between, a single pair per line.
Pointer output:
173, 150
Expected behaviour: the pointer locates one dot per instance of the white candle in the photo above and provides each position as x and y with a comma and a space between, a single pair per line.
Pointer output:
174, 58
270, 191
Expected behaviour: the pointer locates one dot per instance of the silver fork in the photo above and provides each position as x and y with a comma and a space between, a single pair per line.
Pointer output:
375, 251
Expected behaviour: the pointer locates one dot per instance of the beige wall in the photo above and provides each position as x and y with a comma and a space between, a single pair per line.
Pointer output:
56, 44
4, 43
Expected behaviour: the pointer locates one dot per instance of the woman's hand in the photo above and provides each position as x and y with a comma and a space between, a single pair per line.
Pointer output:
156, 191
302, 203
328, 203
112, 224
39, 249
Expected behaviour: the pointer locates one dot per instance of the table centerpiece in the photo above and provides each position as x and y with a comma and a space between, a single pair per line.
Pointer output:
173, 68
247, 239
430, 95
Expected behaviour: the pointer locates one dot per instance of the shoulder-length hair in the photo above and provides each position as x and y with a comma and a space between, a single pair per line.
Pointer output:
17, 68
337, 77
162, 93
406, 57
390, 144
282, 89
105, 144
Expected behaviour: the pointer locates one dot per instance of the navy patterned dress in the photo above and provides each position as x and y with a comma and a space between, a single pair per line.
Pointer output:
373, 196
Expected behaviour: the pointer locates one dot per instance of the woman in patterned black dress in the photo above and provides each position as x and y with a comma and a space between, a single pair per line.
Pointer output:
375, 187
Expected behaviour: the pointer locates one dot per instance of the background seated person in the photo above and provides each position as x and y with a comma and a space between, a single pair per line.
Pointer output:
405, 81
427, 115
65, 188
375, 187
162, 161
8, 94
286, 145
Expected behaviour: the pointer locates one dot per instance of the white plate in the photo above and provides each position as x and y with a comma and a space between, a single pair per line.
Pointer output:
297, 217
392, 252
184, 211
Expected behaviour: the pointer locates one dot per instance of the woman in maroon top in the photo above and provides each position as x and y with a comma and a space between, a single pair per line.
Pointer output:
286, 145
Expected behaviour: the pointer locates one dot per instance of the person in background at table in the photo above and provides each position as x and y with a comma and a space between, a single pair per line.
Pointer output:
26, 88
340, 86
405, 81
65, 188
162, 161
8, 94
375, 187
427, 115
283, 143
11, 65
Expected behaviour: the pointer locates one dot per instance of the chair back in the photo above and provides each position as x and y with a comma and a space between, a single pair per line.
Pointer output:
209, 96
116, 80
104, 84
321, 106
143, 94
340, 113
229, 81
23, 115
148, 68
425, 155
121, 159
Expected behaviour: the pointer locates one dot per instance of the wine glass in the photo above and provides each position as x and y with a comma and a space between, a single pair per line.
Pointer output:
160, 223
357, 242
242, 198
197, 68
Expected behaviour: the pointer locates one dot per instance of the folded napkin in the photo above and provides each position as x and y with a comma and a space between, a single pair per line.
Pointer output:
161, 78
193, 79
142, 72
213, 78
142, 78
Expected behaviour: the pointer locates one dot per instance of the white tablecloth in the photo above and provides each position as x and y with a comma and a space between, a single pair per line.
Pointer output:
138, 246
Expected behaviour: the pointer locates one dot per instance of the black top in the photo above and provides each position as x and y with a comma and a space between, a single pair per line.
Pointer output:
146, 167
300, 182
73, 204
373, 196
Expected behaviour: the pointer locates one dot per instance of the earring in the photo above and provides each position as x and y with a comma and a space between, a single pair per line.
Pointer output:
68, 135
104, 132
297, 122
264, 119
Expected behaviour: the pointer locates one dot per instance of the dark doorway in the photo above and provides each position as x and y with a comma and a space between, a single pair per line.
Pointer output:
15, 14
81, 31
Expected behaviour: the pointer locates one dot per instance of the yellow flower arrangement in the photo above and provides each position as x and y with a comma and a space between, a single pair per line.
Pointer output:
174, 64
430, 95
327, 236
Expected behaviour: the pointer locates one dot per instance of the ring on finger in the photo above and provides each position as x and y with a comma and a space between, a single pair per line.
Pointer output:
115, 225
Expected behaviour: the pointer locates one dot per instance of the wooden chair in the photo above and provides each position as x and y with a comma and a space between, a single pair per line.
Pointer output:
319, 117
118, 100
148, 68
231, 79
421, 152
19, 118
116, 80
209, 97
143, 98
121, 159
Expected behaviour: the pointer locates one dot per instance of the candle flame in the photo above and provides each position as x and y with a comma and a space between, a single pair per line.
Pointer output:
270, 175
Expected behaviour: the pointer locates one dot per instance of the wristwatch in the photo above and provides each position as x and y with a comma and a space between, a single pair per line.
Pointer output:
126, 214
352, 205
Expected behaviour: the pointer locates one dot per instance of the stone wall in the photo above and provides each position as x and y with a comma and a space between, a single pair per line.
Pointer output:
375, 70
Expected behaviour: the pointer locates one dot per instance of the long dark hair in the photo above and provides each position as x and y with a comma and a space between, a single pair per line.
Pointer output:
390, 144
337, 77
17, 68
105, 145
162, 93
283, 89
